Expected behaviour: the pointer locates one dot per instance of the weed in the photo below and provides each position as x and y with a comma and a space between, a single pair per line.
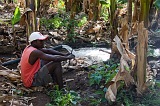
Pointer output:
61, 5
129, 98
52, 23
61, 98
151, 98
125, 95
102, 74
58, 22
105, 6
3, 23
82, 21
71, 30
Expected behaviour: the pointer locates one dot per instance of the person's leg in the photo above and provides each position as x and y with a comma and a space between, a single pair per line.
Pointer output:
42, 77
55, 69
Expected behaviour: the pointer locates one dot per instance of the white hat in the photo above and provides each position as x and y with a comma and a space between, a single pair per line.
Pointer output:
37, 36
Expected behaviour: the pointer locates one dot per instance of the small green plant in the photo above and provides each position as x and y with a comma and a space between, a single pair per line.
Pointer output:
61, 5
125, 96
17, 92
97, 98
59, 98
128, 96
52, 23
82, 21
102, 73
16, 17
100, 76
105, 6
94, 101
4, 23
71, 30
15, 1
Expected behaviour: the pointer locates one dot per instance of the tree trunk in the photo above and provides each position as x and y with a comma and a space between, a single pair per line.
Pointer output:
126, 25
129, 20
141, 57
38, 7
113, 19
144, 14
114, 25
142, 45
94, 10
31, 16
68, 5
135, 11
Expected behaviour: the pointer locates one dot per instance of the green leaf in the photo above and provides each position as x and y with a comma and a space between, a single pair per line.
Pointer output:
99, 92
111, 77
91, 82
16, 17
122, 1
157, 4
126, 68
94, 66
103, 2
158, 83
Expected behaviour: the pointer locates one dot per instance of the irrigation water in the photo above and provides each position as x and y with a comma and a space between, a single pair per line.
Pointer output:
95, 53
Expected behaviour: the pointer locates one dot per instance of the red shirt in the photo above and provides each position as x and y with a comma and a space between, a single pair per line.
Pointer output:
28, 70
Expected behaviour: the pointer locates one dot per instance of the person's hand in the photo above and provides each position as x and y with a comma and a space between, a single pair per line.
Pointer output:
66, 54
71, 56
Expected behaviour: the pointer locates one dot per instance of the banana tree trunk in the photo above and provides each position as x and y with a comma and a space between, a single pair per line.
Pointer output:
68, 5
113, 19
129, 19
114, 25
142, 45
94, 10
128, 25
135, 11
38, 7
144, 14
31, 16
141, 58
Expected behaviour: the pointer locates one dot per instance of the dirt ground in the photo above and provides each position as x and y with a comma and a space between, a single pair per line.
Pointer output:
76, 80
79, 83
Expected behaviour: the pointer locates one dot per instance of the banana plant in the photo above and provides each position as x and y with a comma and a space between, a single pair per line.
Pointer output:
139, 68
142, 45
15, 19
113, 19
144, 13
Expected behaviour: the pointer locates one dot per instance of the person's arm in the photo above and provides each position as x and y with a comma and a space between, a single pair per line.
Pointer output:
53, 52
50, 57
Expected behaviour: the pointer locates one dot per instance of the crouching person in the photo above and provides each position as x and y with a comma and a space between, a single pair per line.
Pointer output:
40, 66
